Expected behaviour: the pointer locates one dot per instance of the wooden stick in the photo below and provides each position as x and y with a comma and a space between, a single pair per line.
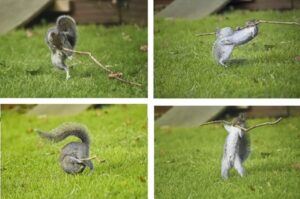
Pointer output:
216, 121
90, 158
205, 34
240, 127
256, 22
263, 124
112, 74
279, 22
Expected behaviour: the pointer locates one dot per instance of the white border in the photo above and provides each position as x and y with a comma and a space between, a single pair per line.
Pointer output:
151, 102
150, 99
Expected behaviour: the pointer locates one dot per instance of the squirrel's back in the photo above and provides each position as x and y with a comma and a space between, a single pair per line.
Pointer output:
65, 130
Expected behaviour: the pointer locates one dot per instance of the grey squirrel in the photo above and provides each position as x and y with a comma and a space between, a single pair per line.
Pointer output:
63, 35
74, 155
236, 148
227, 39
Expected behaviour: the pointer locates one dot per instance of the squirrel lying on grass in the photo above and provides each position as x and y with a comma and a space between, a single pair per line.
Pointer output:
74, 156
63, 35
236, 148
227, 39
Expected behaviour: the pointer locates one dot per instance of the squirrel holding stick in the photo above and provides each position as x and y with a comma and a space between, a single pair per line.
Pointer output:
74, 156
227, 39
236, 147
63, 35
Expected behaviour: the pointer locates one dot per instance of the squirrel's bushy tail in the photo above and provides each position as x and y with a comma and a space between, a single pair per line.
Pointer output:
244, 144
244, 147
67, 25
65, 130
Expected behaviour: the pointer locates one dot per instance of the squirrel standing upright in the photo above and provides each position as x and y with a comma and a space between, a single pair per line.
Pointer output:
227, 39
63, 35
236, 148
74, 156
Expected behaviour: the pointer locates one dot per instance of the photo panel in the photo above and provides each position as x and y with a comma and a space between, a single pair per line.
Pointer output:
226, 49
77, 151
227, 151
67, 49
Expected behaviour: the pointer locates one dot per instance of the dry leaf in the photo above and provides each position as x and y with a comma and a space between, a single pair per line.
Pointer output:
126, 37
297, 58
144, 48
29, 33
114, 75
142, 179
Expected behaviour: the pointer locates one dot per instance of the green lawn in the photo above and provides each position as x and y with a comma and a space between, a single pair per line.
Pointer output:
188, 163
26, 69
185, 68
30, 167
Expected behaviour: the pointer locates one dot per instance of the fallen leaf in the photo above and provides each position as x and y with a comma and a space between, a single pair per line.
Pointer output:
296, 166
268, 47
29, 33
297, 58
114, 75
142, 179
144, 48
265, 155
126, 37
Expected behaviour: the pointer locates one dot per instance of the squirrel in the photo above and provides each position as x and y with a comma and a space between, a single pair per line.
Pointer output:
222, 52
63, 35
236, 148
227, 39
74, 155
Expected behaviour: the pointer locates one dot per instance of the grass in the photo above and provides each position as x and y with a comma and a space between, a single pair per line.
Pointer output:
185, 68
26, 69
30, 167
188, 163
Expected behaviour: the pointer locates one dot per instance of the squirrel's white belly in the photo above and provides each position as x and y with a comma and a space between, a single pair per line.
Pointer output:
232, 146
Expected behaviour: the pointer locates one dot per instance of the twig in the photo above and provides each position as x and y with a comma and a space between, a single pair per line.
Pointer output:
112, 74
205, 34
263, 124
216, 121
255, 23
279, 22
240, 127
89, 158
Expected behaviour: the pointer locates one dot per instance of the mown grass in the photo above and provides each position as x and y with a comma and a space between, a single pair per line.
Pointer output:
185, 68
30, 167
188, 163
26, 69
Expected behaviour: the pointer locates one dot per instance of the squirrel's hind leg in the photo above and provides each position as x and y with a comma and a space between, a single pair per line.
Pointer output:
238, 166
222, 62
67, 73
225, 168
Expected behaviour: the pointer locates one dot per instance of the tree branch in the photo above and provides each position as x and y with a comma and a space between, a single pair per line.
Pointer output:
279, 22
112, 74
89, 158
255, 23
263, 124
240, 127
216, 121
